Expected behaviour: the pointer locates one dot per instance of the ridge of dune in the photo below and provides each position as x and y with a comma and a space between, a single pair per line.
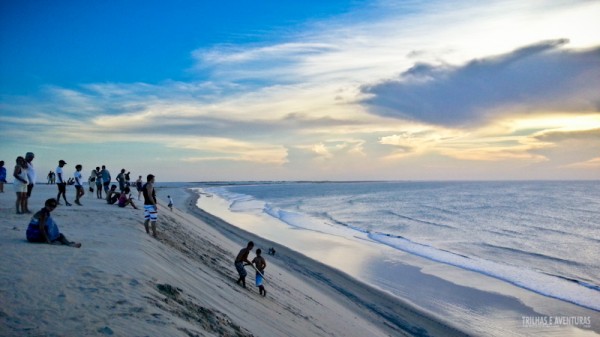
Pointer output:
123, 282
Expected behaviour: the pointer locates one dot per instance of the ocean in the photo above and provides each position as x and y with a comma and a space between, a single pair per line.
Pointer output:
541, 236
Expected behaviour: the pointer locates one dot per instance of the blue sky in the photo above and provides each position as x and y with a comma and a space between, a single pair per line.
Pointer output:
277, 90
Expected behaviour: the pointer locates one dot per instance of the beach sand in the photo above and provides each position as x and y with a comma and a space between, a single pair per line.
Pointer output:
123, 282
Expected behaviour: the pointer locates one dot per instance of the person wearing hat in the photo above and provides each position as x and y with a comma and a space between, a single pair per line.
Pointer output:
61, 183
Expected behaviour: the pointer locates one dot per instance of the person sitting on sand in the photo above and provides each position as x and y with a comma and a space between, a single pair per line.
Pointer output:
43, 229
260, 264
112, 195
239, 263
125, 199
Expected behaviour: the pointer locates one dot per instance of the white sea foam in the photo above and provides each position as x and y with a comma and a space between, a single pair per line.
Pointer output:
469, 227
521, 276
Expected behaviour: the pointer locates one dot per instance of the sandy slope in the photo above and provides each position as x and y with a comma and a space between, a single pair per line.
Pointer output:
123, 282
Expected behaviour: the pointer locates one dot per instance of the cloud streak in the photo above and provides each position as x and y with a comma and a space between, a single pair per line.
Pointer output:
536, 78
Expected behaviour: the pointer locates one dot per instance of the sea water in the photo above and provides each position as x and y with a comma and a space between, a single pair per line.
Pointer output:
542, 236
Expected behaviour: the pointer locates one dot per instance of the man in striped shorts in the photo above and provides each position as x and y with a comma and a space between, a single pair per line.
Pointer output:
150, 206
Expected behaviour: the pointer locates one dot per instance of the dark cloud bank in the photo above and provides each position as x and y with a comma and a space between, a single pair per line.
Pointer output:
535, 77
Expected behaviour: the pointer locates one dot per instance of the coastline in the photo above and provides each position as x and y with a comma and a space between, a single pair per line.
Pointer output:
396, 316
123, 282
475, 303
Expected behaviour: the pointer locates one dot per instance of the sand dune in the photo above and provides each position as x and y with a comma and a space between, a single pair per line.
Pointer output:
123, 282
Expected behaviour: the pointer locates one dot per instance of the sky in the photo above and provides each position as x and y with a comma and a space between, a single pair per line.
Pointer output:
303, 90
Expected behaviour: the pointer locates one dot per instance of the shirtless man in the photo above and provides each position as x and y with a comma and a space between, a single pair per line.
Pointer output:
241, 260
150, 205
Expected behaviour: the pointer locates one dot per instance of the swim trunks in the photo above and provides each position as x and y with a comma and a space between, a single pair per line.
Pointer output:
150, 213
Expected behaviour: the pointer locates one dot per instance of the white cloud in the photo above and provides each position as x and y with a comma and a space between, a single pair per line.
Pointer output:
593, 163
383, 42
212, 149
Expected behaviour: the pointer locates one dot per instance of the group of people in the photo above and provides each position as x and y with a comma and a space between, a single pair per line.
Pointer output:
101, 178
62, 181
51, 178
43, 229
259, 263
124, 198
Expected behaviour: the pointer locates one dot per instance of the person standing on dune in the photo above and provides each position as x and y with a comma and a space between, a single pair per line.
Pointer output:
150, 205
2, 176
61, 183
79, 192
106, 178
20, 184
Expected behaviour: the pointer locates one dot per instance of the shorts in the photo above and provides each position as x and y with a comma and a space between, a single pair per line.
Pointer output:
240, 269
259, 278
20, 187
150, 213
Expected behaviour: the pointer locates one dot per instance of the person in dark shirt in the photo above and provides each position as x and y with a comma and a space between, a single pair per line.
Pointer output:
150, 205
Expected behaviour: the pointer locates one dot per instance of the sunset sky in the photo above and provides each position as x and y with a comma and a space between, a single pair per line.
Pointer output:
303, 90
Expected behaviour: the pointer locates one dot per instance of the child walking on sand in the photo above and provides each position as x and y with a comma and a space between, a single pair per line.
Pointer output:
260, 264
170, 203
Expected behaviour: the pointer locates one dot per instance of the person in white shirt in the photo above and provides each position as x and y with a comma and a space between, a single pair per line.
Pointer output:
30, 176
20, 185
79, 192
170, 203
61, 183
